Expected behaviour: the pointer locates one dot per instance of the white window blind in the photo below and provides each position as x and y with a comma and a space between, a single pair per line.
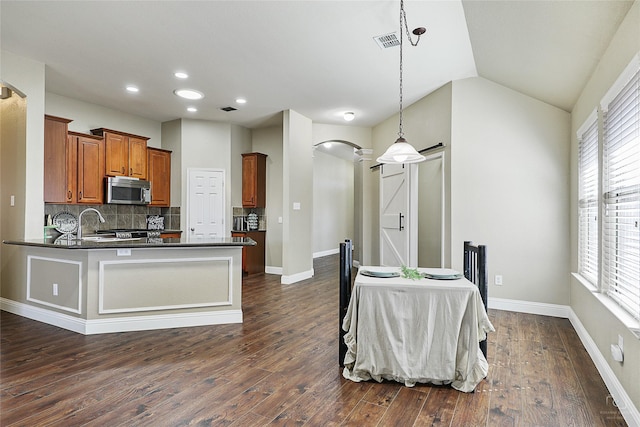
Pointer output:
588, 200
621, 164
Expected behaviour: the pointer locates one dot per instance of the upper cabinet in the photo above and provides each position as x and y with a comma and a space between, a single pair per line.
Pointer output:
74, 164
56, 189
126, 154
89, 161
159, 168
254, 171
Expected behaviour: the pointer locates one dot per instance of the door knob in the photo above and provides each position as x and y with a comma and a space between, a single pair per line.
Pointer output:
193, 229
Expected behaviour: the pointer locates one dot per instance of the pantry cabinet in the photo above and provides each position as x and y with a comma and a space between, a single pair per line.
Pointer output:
254, 171
159, 171
126, 154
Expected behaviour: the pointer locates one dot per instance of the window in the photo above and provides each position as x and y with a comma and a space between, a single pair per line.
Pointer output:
588, 199
621, 196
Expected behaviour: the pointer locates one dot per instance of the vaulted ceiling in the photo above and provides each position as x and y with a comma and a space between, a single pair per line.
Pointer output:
316, 57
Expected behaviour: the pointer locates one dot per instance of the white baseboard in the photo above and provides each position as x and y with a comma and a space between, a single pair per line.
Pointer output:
121, 324
298, 277
326, 253
622, 400
541, 308
273, 270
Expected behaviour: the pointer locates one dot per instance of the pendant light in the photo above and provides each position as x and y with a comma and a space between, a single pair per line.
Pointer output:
401, 151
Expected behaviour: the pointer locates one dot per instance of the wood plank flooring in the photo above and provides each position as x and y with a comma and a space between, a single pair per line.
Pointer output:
280, 367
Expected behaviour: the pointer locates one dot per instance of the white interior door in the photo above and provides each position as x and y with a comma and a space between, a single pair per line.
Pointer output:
398, 215
205, 203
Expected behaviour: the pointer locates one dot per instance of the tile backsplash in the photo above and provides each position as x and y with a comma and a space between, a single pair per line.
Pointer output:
117, 216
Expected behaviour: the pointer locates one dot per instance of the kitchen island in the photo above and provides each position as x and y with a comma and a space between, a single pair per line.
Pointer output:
101, 285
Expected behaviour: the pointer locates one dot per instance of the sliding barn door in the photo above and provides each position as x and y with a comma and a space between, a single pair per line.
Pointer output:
398, 215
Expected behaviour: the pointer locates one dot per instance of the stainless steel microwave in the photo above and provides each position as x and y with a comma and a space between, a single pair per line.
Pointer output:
128, 191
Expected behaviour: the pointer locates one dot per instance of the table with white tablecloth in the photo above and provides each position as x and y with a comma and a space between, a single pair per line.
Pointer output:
415, 331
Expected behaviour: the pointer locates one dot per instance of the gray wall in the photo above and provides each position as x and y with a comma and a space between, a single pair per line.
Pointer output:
600, 322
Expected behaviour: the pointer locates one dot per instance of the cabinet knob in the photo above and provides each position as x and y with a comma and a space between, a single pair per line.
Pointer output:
193, 229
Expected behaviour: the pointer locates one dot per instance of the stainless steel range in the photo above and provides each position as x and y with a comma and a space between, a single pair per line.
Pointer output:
127, 233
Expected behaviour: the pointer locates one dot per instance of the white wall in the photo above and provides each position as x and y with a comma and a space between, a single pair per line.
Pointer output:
601, 324
87, 116
240, 143
510, 188
297, 155
28, 77
269, 141
333, 202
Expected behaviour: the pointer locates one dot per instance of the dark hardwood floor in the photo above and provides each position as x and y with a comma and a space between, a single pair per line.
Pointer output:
280, 367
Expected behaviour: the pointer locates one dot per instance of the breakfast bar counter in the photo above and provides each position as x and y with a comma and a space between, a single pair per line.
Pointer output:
101, 284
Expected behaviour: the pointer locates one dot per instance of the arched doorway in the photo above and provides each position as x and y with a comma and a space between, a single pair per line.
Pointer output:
337, 199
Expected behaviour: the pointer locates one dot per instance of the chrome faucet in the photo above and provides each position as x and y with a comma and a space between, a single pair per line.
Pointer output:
79, 234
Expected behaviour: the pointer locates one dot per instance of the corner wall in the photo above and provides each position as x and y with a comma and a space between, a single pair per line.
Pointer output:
510, 189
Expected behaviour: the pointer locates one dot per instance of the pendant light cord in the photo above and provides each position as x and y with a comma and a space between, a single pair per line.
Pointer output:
403, 19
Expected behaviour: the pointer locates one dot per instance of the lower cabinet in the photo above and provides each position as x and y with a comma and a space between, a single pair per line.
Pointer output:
253, 258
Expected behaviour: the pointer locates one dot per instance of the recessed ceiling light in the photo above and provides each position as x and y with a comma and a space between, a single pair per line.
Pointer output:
181, 75
241, 100
132, 89
348, 116
192, 109
189, 93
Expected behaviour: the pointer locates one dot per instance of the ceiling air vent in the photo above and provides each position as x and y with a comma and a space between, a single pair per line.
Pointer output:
386, 41
228, 109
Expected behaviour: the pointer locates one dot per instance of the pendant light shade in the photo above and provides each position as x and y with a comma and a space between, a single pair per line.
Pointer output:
401, 151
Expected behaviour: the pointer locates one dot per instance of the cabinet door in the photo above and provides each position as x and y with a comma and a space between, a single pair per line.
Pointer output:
249, 181
72, 169
137, 158
159, 170
90, 170
117, 154
55, 160
255, 258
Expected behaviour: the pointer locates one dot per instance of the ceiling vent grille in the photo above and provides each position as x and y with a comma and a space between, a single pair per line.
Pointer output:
228, 109
386, 41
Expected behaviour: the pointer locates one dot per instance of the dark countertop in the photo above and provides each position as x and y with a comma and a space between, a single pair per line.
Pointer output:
143, 243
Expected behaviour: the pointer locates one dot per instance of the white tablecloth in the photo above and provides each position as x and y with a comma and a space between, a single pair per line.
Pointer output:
415, 331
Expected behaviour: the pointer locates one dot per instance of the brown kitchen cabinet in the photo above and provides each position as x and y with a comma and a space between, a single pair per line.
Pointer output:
253, 258
254, 172
125, 154
89, 159
56, 188
159, 171
73, 166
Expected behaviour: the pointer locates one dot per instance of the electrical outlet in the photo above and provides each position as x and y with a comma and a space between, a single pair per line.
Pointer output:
498, 280
55, 289
621, 343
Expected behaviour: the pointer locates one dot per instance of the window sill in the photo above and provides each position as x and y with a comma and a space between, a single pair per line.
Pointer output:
625, 318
